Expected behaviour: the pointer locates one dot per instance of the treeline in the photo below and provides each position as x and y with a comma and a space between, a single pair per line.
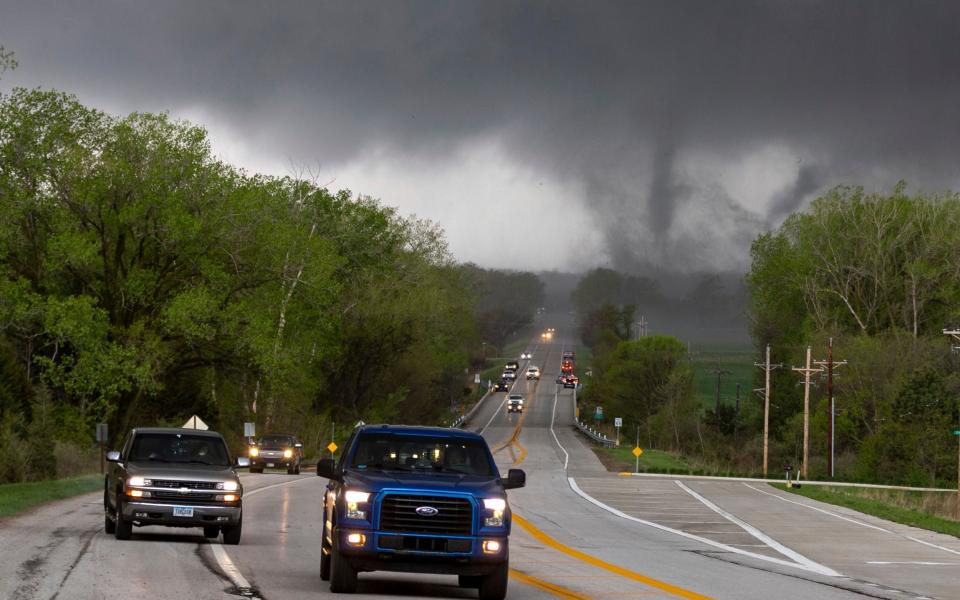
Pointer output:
507, 301
880, 274
144, 280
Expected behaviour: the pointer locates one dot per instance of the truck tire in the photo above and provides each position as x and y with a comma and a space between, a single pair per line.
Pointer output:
109, 525
123, 529
211, 531
324, 563
343, 577
494, 585
231, 533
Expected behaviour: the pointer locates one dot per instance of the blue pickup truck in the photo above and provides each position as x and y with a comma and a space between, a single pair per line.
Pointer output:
416, 499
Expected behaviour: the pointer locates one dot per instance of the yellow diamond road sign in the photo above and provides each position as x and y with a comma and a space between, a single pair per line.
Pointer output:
637, 451
332, 447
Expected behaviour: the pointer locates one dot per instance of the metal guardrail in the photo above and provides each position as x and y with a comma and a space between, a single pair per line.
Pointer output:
593, 434
459, 421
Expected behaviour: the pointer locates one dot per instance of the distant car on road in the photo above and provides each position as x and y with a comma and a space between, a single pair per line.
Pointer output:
526, 355
276, 450
502, 386
515, 403
176, 478
571, 381
509, 375
533, 373
512, 365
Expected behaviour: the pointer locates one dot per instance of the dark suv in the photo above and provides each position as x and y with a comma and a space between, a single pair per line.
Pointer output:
176, 478
276, 450
416, 499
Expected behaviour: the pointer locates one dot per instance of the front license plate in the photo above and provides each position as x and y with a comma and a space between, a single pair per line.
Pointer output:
269, 465
183, 511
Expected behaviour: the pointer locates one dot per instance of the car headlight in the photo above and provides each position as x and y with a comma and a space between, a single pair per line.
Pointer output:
354, 499
139, 482
288, 453
496, 506
228, 486
254, 451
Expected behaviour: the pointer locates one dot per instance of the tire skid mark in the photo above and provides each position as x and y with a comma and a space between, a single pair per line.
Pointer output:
89, 535
210, 563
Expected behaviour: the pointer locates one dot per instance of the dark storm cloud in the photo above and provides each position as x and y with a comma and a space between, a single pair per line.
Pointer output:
615, 97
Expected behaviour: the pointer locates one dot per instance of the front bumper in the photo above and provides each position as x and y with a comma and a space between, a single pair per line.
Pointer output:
155, 513
383, 551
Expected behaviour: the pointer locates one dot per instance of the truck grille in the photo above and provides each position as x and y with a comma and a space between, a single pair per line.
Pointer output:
399, 513
173, 496
193, 485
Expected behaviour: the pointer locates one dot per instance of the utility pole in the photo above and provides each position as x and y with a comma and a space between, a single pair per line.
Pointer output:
830, 364
807, 372
718, 372
767, 368
955, 334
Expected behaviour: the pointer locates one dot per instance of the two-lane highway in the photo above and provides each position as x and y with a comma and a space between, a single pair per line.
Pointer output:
579, 532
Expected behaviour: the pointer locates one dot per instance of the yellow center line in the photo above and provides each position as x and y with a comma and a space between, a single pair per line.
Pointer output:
592, 560
556, 590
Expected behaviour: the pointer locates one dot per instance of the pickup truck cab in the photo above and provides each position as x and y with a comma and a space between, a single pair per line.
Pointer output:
176, 478
417, 499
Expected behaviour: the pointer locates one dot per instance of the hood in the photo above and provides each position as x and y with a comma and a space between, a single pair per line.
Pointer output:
377, 481
192, 472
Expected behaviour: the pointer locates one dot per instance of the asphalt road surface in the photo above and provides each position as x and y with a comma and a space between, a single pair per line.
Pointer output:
579, 532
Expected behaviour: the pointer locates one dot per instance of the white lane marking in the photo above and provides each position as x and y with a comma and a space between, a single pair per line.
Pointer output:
922, 563
275, 485
496, 412
690, 536
566, 455
229, 569
950, 550
766, 539
854, 521
826, 512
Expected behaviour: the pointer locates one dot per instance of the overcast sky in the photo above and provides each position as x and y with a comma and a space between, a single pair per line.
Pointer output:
555, 135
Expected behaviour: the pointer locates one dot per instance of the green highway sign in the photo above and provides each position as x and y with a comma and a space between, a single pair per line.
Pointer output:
957, 432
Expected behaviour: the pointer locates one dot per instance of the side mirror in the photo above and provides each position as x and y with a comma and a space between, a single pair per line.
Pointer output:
113, 456
327, 468
516, 478
243, 461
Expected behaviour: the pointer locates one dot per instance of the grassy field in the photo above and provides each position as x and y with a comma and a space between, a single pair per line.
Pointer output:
17, 497
651, 461
741, 370
934, 511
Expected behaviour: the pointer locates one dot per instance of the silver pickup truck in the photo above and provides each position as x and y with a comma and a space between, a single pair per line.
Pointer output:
174, 478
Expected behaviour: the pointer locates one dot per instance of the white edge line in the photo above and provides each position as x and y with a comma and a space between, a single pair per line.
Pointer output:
690, 536
496, 412
804, 482
766, 539
229, 569
818, 509
854, 521
553, 415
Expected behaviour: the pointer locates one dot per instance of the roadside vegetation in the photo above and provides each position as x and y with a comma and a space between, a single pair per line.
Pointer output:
879, 274
143, 280
935, 511
18, 497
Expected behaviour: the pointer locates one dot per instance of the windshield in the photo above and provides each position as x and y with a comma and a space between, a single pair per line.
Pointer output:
434, 454
277, 441
179, 448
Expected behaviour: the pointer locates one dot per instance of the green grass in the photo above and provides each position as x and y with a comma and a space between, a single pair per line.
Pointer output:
18, 497
887, 504
651, 461
741, 368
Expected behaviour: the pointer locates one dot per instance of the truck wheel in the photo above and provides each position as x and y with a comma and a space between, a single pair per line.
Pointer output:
343, 577
211, 531
109, 525
231, 533
324, 563
291, 471
297, 472
123, 529
469, 581
494, 585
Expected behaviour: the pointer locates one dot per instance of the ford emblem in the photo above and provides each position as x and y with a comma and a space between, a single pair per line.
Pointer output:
427, 511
